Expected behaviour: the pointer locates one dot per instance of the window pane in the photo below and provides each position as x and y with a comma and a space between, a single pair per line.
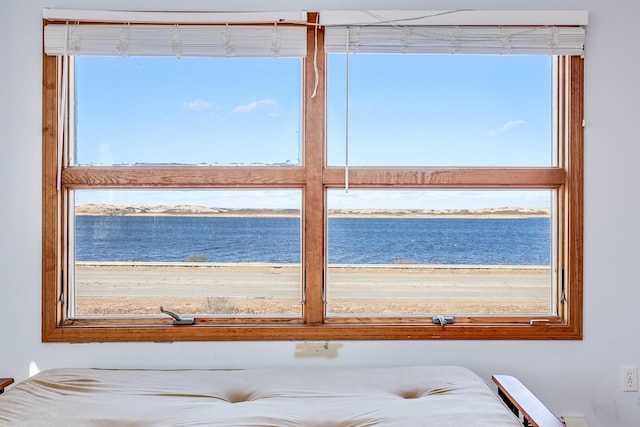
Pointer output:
441, 110
440, 252
199, 252
197, 111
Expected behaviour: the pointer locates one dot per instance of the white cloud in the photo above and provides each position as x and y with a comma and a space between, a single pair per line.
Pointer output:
510, 124
198, 105
253, 105
506, 127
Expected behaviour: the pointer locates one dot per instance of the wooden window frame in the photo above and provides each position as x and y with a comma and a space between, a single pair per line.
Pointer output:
314, 178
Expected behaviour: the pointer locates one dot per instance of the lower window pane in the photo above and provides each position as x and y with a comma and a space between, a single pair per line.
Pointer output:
440, 252
228, 253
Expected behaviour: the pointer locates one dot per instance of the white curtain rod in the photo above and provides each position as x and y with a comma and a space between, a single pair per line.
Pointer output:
108, 16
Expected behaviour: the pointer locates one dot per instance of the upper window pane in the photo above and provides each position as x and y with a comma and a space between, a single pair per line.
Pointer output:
193, 111
441, 110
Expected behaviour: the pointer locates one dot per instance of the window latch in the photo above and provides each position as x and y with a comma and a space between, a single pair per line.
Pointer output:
178, 319
442, 320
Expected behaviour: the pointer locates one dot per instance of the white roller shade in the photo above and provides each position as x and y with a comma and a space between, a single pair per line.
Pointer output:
451, 32
174, 40
457, 40
81, 32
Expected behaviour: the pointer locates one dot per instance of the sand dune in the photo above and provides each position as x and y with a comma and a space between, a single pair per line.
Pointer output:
204, 211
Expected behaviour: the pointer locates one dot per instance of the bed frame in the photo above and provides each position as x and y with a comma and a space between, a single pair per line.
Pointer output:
524, 404
528, 409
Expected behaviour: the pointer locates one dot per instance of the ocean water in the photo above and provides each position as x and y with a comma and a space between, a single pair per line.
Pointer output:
520, 241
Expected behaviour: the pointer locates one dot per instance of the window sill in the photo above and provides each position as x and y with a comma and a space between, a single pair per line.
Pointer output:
278, 332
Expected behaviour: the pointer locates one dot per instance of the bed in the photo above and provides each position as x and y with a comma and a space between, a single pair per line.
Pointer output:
423, 396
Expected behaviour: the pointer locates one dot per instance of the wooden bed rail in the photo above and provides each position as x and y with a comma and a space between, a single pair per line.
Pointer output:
522, 402
4, 382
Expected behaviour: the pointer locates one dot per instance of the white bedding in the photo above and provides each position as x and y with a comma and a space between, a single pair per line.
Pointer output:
442, 396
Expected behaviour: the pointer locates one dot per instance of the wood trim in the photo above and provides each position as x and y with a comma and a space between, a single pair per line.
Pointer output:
154, 322
522, 401
339, 320
182, 177
426, 320
51, 236
446, 177
308, 331
575, 201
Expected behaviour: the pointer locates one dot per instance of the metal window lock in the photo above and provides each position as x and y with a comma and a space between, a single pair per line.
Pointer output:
177, 318
442, 320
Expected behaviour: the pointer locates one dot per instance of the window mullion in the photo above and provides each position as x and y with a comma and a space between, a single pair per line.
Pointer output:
314, 105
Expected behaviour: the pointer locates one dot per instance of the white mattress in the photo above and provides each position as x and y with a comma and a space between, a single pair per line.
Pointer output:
442, 396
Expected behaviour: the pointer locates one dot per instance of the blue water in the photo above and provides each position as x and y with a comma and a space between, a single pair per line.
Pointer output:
522, 241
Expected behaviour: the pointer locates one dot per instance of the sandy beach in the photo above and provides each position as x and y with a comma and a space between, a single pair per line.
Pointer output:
268, 289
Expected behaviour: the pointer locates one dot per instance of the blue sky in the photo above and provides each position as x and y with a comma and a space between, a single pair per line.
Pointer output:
188, 110
442, 110
403, 110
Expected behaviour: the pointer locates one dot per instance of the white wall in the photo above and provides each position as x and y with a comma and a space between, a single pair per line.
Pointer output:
572, 377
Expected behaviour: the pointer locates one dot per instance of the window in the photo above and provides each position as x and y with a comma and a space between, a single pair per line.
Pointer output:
291, 177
